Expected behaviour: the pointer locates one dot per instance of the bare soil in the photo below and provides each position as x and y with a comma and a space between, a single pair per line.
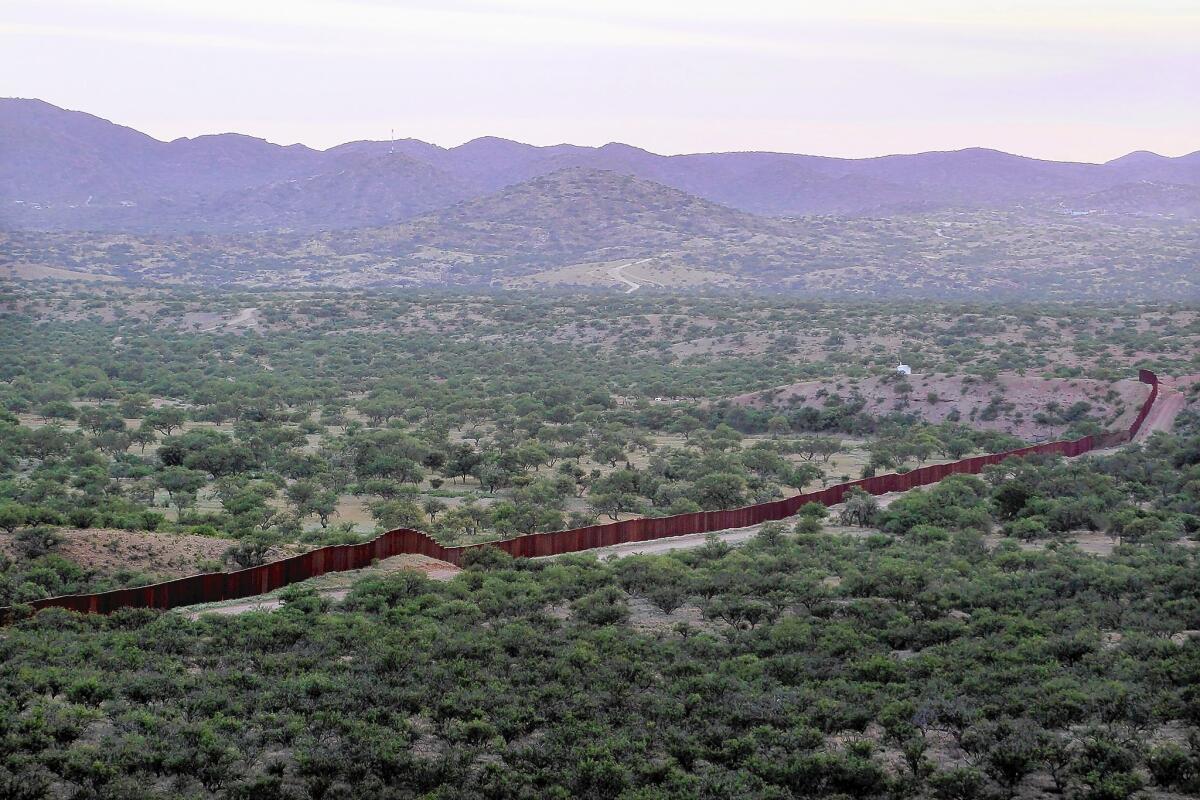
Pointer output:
165, 555
1020, 399
29, 272
1093, 542
1171, 400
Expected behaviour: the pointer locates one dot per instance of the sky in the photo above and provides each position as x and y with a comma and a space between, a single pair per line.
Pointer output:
1060, 79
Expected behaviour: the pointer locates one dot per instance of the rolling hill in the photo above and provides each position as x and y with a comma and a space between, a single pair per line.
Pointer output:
79, 194
608, 230
71, 171
575, 212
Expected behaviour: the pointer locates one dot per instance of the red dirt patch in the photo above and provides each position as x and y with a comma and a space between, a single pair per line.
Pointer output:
164, 555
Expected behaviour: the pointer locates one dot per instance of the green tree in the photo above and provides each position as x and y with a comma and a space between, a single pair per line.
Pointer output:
778, 425
166, 420
719, 490
433, 506
398, 513
181, 485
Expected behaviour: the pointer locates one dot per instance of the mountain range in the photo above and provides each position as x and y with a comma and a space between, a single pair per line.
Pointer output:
71, 171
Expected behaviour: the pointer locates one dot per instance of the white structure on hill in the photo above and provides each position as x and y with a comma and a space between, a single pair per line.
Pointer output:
904, 369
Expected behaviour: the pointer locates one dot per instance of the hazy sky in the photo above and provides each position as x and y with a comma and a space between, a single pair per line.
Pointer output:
1054, 78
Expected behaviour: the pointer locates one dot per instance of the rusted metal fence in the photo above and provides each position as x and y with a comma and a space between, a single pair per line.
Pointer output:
215, 586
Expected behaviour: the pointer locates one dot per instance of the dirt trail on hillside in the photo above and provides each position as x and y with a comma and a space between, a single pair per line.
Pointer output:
619, 274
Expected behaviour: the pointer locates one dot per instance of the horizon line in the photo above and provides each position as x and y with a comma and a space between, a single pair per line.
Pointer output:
596, 147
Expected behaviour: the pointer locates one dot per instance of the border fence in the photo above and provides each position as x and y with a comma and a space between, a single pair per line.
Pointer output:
215, 586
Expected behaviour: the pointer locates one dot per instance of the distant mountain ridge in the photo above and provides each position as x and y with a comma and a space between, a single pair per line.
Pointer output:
68, 170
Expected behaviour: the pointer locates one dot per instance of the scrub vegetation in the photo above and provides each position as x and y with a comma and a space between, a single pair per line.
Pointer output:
961, 641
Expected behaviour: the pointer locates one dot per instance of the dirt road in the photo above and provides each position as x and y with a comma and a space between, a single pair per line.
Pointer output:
617, 272
246, 318
1162, 414
334, 585
732, 536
